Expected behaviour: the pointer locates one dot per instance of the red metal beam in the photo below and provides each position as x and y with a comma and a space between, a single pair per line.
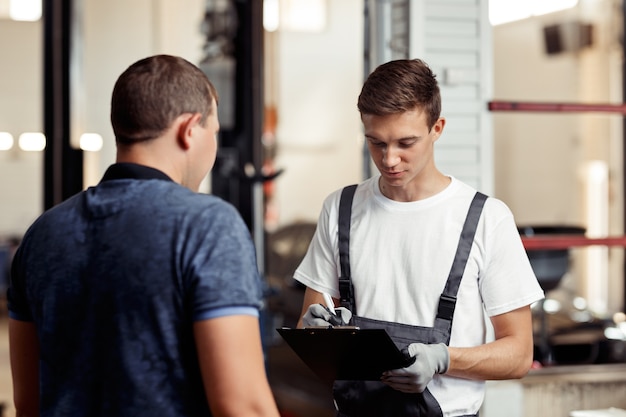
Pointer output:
555, 107
565, 241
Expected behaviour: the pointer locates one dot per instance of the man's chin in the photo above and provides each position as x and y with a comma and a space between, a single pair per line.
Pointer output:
394, 180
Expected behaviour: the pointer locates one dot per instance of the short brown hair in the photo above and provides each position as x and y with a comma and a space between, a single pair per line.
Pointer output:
154, 91
399, 86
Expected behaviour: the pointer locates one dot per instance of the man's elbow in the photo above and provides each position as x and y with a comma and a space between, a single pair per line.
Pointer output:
26, 411
26, 406
523, 366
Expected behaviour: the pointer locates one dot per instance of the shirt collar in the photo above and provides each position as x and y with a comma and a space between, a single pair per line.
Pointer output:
128, 170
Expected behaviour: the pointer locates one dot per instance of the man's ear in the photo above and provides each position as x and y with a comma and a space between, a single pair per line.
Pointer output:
437, 128
185, 129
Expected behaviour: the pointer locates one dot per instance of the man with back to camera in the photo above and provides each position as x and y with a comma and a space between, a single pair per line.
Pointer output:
140, 296
428, 257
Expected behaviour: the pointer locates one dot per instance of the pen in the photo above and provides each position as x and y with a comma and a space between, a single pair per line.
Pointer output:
329, 303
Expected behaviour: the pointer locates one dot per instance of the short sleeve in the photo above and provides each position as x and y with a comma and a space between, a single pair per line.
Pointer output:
16, 293
223, 271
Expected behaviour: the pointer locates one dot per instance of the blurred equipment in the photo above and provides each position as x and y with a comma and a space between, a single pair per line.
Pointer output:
285, 249
298, 390
567, 37
574, 335
599, 341
218, 63
549, 265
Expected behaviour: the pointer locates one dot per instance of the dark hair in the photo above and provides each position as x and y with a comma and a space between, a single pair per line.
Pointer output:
399, 86
154, 91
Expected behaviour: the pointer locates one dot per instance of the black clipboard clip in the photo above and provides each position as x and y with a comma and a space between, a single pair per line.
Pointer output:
334, 320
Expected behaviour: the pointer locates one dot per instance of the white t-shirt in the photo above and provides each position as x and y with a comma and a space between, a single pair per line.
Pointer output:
400, 258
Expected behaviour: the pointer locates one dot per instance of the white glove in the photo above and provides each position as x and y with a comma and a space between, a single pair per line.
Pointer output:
318, 315
429, 360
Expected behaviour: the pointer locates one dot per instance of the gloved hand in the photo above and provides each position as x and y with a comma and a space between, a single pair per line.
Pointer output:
318, 315
429, 360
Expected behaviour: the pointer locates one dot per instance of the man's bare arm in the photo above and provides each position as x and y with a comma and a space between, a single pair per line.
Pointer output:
24, 357
233, 368
310, 297
509, 356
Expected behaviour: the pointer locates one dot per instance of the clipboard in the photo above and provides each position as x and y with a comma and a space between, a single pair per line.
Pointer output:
345, 353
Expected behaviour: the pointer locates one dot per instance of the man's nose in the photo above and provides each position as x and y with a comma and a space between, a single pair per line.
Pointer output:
391, 157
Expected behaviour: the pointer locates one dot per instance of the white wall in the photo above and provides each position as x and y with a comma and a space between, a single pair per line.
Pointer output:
529, 145
319, 77
116, 33
539, 157
21, 110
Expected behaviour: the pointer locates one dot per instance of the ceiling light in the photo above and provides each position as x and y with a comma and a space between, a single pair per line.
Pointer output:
32, 141
271, 15
505, 11
90, 142
6, 141
25, 10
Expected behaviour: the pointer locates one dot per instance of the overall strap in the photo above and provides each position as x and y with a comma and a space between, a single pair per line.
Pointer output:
447, 302
346, 290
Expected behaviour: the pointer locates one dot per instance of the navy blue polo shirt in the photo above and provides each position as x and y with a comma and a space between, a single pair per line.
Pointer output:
114, 278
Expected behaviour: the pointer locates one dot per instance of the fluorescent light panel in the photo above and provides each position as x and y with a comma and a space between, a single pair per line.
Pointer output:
294, 15
505, 11
25, 10
6, 141
32, 141
90, 142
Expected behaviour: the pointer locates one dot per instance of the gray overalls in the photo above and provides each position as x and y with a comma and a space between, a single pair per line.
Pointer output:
373, 398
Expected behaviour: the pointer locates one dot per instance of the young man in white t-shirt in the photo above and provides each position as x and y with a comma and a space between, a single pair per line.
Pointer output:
407, 230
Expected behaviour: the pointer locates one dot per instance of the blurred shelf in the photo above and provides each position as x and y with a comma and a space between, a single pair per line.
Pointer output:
568, 241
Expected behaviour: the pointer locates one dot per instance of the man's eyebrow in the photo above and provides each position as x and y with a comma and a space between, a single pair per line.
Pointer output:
413, 137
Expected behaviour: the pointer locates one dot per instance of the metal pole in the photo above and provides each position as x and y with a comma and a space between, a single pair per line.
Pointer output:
63, 166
